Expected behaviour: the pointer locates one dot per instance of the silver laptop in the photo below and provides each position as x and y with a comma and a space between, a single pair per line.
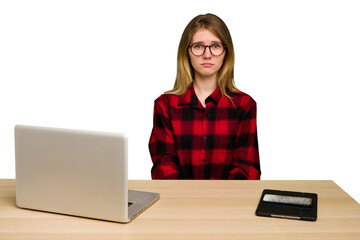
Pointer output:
75, 172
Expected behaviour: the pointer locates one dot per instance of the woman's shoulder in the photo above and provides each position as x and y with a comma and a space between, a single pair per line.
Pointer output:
241, 98
166, 97
166, 101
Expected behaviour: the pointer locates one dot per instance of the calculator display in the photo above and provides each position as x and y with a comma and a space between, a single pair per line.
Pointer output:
288, 200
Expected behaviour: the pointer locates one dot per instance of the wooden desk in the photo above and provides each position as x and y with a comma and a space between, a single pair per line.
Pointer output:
193, 210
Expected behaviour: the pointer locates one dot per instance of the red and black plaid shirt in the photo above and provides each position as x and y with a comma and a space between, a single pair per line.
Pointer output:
189, 141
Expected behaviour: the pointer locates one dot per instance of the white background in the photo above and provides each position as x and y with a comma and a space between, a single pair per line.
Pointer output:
99, 65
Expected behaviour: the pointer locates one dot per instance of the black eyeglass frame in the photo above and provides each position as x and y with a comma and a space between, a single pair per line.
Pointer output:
207, 46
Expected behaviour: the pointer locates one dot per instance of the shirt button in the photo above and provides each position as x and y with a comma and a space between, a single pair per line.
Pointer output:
205, 137
204, 160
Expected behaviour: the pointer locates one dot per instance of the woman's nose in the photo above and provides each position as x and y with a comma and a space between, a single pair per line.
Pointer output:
207, 53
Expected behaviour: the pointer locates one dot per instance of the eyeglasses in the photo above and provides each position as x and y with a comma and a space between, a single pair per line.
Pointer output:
199, 49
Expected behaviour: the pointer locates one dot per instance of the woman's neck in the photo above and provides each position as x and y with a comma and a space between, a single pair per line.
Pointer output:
204, 87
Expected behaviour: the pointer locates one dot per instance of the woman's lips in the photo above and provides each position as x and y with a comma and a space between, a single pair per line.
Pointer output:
207, 64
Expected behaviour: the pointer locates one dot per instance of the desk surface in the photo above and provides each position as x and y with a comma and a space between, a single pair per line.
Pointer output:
193, 210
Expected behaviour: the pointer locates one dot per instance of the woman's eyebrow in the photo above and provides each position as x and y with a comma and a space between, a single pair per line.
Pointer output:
198, 42
202, 42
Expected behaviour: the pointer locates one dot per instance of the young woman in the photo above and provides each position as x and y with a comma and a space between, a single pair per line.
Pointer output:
205, 128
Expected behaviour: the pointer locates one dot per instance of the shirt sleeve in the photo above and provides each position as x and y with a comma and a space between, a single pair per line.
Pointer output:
246, 163
162, 145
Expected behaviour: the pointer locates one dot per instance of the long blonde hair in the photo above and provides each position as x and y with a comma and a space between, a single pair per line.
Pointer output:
185, 71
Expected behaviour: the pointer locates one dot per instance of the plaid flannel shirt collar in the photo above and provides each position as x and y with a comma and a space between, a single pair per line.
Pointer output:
190, 98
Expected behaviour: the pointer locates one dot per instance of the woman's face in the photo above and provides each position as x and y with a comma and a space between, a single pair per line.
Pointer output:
206, 65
